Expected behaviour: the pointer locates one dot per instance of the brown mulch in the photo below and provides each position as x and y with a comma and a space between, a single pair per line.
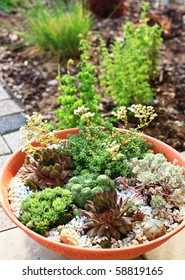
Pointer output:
31, 78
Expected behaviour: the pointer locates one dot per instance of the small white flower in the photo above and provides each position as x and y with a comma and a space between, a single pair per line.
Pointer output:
87, 116
81, 110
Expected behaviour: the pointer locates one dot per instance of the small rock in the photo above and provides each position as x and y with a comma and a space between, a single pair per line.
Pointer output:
5, 67
53, 82
69, 236
45, 95
13, 37
28, 107
153, 229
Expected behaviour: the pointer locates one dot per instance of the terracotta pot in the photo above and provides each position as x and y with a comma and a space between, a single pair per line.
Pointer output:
10, 169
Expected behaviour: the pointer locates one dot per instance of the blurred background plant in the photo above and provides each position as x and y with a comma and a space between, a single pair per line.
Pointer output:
56, 27
132, 62
8, 5
108, 8
124, 73
79, 90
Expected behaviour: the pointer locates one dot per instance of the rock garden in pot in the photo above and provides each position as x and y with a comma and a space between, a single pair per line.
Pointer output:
96, 192
102, 190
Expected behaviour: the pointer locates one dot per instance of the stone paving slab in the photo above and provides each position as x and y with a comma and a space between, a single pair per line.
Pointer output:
3, 159
14, 140
6, 223
3, 94
11, 123
4, 149
8, 107
16, 245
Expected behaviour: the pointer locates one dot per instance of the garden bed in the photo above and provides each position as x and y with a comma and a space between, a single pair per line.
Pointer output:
31, 78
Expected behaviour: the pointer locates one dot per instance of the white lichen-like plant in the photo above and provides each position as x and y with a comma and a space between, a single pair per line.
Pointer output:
154, 168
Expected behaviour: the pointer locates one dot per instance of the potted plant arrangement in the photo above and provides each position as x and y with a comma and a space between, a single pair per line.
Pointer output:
98, 191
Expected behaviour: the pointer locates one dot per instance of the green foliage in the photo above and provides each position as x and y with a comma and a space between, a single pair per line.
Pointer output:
149, 39
104, 150
41, 210
125, 74
157, 201
78, 91
85, 186
56, 28
8, 5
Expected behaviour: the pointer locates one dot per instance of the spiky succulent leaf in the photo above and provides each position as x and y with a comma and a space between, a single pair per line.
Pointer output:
108, 216
47, 167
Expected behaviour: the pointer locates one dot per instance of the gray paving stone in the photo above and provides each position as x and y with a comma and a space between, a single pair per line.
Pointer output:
11, 123
16, 245
14, 140
3, 94
6, 223
4, 149
8, 107
3, 159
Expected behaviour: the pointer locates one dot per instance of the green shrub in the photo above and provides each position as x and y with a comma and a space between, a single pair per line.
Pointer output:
126, 72
56, 28
146, 38
103, 151
79, 91
106, 150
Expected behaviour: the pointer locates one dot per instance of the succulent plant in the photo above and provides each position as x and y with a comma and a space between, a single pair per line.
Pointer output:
42, 210
158, 180
47, 167
86, 185
109, 216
